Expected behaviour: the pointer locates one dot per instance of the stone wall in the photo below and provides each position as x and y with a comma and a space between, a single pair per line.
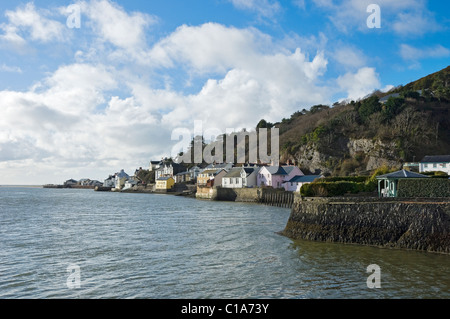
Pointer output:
420, 224
267, 196
206, 193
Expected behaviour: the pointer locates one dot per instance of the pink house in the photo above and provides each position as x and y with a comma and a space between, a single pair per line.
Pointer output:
292, 171
271, 176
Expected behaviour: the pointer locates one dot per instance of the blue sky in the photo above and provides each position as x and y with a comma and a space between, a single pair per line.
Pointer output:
89, 101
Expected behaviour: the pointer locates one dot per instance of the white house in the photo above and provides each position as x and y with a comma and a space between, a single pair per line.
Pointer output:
435, 163
120, 179
295, 183
110, 181
240, 177
130, 183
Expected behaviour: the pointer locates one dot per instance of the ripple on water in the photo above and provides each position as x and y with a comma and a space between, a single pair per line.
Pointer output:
147, 246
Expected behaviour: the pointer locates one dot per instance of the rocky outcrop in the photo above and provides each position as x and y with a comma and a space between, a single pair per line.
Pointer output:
378, 153
409, 224
371, 154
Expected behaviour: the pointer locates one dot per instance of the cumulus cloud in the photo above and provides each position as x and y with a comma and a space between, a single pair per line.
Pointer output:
359, 84
27, 21
404, 17
113, 24
349, 56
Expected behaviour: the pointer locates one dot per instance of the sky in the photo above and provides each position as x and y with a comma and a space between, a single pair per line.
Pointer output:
88, 88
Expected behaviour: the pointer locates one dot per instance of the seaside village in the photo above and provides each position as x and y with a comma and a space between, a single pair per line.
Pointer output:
167, 176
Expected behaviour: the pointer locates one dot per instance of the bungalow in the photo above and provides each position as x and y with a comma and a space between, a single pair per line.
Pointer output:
296, 182
435, 163
240, 177
164, 183
271, 176
388, 183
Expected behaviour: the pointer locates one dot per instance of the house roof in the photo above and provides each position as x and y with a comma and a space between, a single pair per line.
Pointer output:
402, 174
234, 172
276, 170
436, 159
304, 178
211, 171
164, 178
221, 165
183, 173
289, 169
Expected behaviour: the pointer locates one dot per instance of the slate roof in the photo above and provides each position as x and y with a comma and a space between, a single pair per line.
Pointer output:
234, 172
436, 159
276, 170
289, 169
165, 178
211, 171
402, 174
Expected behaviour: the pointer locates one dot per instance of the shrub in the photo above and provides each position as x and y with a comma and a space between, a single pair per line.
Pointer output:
356, 179
322, 189
424, 187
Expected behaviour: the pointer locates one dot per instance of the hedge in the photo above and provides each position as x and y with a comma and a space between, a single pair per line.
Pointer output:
356, 179
334, 188
424, 187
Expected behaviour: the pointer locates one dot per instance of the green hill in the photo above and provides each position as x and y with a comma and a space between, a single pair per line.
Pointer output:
355, 138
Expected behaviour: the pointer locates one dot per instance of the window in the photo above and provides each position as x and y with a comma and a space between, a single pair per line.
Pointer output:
434, 165
444, 165
425, 165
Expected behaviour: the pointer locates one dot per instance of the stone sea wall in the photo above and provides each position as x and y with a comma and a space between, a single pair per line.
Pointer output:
419, 224
268, 196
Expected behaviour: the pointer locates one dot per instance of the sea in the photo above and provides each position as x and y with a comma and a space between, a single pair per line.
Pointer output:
82, 244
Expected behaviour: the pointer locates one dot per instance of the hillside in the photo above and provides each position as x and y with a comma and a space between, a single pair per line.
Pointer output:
357, 137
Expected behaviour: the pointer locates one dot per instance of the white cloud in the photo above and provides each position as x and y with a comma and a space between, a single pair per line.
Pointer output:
264, 8
415, 23
411, 53
350, 56
359, 84
33, 23
260, 77
11, 69
404, 17
116, 26
73, 117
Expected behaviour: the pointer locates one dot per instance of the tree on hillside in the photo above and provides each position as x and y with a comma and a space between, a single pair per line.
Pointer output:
264, 124
368, 107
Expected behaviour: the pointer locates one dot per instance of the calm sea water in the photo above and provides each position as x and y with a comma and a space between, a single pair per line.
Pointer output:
161, 246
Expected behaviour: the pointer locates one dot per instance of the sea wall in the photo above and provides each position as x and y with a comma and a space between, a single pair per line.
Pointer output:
267, 196
419, 224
